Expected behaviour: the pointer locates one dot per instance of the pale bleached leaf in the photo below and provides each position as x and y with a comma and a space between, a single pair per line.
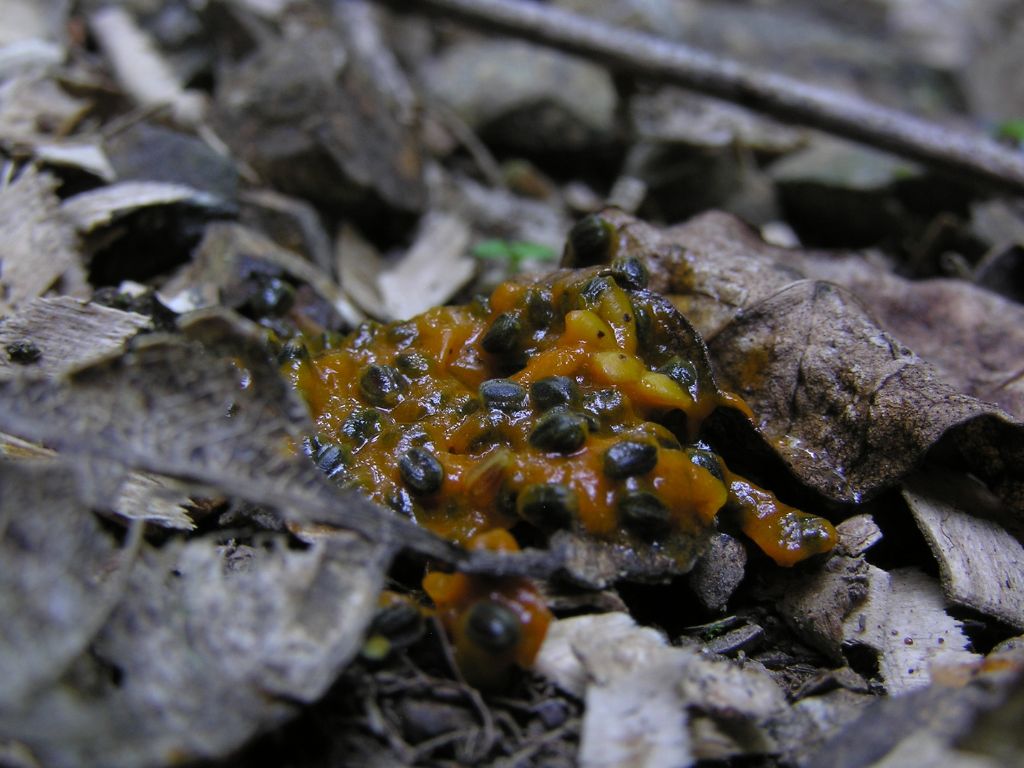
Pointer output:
67, 333
59, 578
432, 271
904, 620
980, 562
38, 244
245, 634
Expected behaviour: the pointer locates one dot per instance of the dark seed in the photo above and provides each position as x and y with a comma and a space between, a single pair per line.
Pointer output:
503, 335
291, 351
681, 371
412, 364
503, 395
23, 352
331, 460
547, 505
332, 340
402, 333
553, 391
707, 460
421, 471
629, 458
399, 622
273, 296
560, 431
539, 308
400, 501
644, 513
644, 326
381, 385
630, 273
590, 240
492, 627
591, 293
604, 406
361, 426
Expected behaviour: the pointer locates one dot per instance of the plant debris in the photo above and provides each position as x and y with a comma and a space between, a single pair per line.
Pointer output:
198, 198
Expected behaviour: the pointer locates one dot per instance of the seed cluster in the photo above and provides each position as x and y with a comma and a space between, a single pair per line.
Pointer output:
572, 401
544, 404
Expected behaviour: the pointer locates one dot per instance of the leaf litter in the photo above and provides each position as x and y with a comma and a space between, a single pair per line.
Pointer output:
174, 517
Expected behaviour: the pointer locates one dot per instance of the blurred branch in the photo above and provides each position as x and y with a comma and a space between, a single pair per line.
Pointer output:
787, 99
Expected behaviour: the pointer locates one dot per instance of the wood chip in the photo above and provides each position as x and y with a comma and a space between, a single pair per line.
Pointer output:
38, 244
981, 564
66, 333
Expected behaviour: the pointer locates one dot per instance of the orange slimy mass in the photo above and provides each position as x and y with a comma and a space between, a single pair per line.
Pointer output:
561, 401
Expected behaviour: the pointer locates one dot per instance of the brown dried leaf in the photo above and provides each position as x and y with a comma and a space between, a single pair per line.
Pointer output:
170, 407
848, 407
974, 337
306, 114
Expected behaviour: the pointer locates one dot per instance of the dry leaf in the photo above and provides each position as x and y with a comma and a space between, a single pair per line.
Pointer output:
980, 562
67, 333
168, 407
39, 244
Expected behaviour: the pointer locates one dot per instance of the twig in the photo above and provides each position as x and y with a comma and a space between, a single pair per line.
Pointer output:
790, 100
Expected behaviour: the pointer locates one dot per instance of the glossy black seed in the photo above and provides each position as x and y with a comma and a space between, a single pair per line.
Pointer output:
559, 431
591, 240
591, 292
361, 426
381, 385
645, 335
503, 395
547, 505
23, 352
492, 627
401, 623
402, 333
539, 309
630, 273
553, 391
681, 371
400, 501
629, 458
644, 513
503, 335
292, 350
272, 296
332, 340
412, 364
421, 470
331, 460
707, 460
604, 406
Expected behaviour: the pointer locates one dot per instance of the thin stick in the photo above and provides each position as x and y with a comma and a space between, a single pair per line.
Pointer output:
789, 100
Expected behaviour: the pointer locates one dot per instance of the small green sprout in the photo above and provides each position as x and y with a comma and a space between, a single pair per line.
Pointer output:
1012, 130
513, 253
